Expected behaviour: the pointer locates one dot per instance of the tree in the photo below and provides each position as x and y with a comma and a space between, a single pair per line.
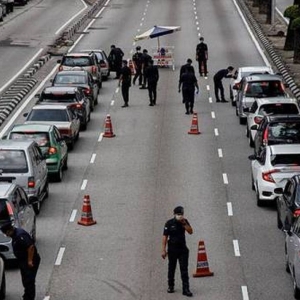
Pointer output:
291, 12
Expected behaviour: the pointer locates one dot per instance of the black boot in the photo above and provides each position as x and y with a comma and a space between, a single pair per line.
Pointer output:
170, 289
187, 292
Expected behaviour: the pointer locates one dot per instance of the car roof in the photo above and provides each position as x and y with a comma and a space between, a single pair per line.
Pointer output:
92, 50
272, 100
256, 69
285, 149
15, 144
78, 54
73, 72
263, 77
60, 89
32, 127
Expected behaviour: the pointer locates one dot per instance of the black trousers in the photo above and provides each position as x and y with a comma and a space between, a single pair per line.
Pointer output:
125, 92
182, 256
219, 86
152, 88
202, 62
138, 75
28, 279
188, 99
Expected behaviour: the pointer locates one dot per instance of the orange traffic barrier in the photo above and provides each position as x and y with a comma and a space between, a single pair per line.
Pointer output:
194, 127
202, 269
86, 214
131, 66
108, 132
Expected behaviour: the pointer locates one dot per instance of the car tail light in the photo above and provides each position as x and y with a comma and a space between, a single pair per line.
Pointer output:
52, 150
78, 106
296, 213
103, 65
282, 86
267, 176
66, 131
31, 182
9, 210
87, 91
265, 137
257, 120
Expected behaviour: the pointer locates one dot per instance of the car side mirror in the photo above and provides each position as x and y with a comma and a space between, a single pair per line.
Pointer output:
278, 191
59, 61
25, 114
37, 95
252, 157
254, 127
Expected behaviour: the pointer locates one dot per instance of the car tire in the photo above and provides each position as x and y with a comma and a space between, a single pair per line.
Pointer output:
59, 175
258, 200
250, 140
252, 184
77, 136
100, 84
83, 126
242, 121
3, 287
65, 166
37, 207
296, 289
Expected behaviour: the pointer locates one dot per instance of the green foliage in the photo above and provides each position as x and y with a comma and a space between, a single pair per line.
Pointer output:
292, 12
296, 24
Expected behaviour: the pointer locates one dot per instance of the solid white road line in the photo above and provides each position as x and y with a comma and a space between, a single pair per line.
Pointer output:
73, 215
93, 158
60, 256
213, 115
100, 137
84, 184
220, 152
229, 209
236, 248
245, 293
70, 20
216, 132
225, 178
22, 70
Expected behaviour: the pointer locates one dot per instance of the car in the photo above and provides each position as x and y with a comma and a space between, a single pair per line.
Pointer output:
15, 207
51, 143
277, 129
21, 2
86, 61
81, 79
257, 86
9, 5
2, 280
61, 115
2, 12
292, 258
102, 60
74, 96
268, 106
271, 170
244, 72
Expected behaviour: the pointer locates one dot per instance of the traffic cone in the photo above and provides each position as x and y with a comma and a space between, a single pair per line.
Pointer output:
108, 132
194, 127
86, 214
202, 263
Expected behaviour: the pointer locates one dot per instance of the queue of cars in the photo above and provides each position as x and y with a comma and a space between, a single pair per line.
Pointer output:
272, 121
7, 6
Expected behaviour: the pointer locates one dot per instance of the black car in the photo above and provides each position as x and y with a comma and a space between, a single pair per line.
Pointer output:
68, 95
288, 203
277, 129
79, 78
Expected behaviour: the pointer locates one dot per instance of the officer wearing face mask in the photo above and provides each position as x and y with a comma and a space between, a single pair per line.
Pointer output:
174, 237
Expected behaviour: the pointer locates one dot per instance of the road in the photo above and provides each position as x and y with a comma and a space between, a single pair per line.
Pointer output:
152, 165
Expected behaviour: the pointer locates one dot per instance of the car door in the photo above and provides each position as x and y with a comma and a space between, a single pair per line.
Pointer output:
252, 113
41, 168
26, 213
94, 87
60, 143
259, 135
287, 198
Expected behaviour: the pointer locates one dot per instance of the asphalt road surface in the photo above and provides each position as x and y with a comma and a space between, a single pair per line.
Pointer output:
152, 165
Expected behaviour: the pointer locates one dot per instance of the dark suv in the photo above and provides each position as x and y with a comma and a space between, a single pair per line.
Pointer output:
69, 95
278, 129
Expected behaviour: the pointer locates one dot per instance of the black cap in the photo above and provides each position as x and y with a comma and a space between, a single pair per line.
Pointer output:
202, 38
6, 227
178, 210
145, 51
138, 48
124, 62
230, 68
189, 61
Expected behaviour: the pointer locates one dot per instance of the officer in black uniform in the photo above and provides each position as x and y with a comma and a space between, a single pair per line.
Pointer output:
125, 79
27, 256
137, 60
115, 59
224, 73
202, 56
145, 63
152, 76
174, 236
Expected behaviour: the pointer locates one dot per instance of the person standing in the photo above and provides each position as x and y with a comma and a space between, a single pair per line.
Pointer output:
115, 60
152, 76
137, 60
183, 67
202, 56
125, 79
145, 63
27, 257
188, 81
223, 73
174, 237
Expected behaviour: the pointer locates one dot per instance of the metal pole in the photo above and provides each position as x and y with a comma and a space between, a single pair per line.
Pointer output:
273, 4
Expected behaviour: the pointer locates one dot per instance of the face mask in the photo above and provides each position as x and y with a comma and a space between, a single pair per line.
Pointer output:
179, 217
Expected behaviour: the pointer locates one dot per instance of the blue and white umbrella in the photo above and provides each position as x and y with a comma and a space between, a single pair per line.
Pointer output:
156, 32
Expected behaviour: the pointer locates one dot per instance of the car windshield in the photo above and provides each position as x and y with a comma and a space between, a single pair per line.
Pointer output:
68, 98
51, 115
262, 89
41, 138
69, 79
278, 108
13, 161
4, 212
80, 61
248, 73
285, 159
285, 131
99, 56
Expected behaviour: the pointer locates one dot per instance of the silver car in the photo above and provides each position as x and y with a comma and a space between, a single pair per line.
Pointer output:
292, 257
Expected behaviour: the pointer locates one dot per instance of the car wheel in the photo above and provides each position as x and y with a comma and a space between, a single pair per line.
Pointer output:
59, 175
37, 207
252, 184
3, 287
77, 136
65, 166
287, 268
258, 200
242, 121
296, 289
83, 126
1, 19
100, 84
46, 190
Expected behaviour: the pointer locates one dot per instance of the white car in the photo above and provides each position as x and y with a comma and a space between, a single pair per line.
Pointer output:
268, 106
242, 72
272, 168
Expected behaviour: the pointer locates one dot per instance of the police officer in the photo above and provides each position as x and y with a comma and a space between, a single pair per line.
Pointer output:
137, 60
152, 76
27, 256
145, 63
224, 73
115, 59
174, 236
125, 79
188, 81
183, 67
202, 56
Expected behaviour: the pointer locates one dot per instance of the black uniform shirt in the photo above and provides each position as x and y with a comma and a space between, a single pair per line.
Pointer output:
21, 241
222, 74
176, 233
137, 58
151, 74
201, 50
126, 75
145, 59
188, 81
183, 69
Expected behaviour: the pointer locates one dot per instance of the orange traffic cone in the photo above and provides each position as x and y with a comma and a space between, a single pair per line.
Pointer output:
131, 66
202, 263
108, 132
86, 215
194, 127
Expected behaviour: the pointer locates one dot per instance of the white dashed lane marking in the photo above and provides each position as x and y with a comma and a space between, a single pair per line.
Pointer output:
60, 256
112, 102
73, 215
220, 152
210, 99
229, 209
245, 293
93, 158
213, 115
84, 184
236, 248
225, 178
207, 87
216, 131
100, 137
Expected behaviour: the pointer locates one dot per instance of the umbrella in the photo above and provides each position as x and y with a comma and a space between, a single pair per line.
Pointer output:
156, 32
